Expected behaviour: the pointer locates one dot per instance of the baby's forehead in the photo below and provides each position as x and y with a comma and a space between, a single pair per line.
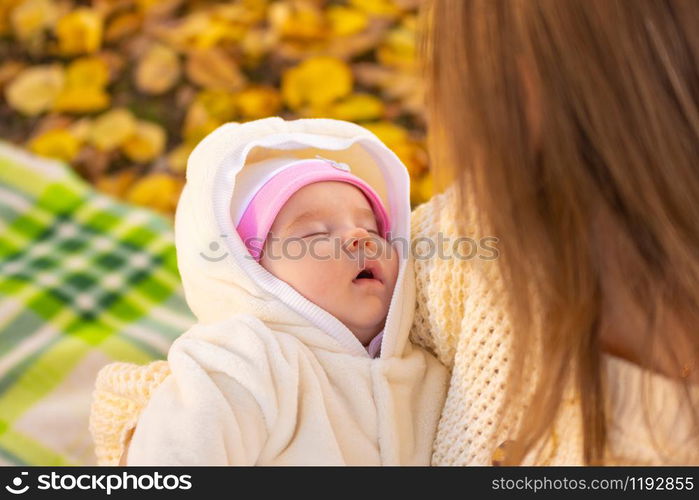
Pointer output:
325, 198
307, 207
320, 213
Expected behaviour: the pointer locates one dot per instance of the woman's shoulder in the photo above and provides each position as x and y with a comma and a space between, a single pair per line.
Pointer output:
461, 317
427, 217
458, 287
446, 219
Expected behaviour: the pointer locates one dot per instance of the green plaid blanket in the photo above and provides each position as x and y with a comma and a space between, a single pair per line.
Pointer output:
84, 281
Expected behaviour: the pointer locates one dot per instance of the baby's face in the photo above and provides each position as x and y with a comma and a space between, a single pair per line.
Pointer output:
305, 249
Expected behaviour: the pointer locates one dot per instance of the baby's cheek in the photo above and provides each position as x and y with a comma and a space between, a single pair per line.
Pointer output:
293, 249
318, 276
321, 291
327, 271
320, 248
392, 262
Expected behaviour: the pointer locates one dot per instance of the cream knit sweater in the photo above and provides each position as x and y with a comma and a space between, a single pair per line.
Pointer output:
461, 318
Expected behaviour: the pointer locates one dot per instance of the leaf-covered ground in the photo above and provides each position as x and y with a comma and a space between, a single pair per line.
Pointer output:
123, 89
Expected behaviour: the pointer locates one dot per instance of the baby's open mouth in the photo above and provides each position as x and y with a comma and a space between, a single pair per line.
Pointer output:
367, 274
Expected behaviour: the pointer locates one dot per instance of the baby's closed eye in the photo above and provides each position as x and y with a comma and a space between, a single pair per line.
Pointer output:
372, 231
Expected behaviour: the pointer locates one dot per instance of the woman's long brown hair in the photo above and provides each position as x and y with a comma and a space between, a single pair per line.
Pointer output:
573, 126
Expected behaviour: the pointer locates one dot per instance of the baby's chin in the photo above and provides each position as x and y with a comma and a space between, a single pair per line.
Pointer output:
366, 328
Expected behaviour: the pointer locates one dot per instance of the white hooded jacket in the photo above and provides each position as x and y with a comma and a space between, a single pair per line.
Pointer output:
267, 377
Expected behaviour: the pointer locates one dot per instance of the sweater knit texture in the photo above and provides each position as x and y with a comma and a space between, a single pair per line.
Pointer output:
121, 392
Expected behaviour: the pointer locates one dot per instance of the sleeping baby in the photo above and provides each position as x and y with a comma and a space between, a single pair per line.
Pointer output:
300, 355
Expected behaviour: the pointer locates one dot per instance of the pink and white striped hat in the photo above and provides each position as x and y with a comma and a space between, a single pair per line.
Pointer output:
262, 189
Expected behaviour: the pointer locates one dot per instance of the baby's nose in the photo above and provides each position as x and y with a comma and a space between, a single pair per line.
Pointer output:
360, 237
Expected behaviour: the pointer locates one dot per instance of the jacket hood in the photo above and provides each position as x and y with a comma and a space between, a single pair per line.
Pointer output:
219, 276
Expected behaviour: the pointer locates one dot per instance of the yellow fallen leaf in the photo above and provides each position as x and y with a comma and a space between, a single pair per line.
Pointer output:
58, 143
6, 8
177, 158
122, 25
421, 190
88, 71
357, 107
116, 184
207, 111
399, 49
378, 8
81, 100
220, 33
158, 70
396, 84
212, 37
205, 29
218, 104
157, 7
345, 21
112, 128
388, 132
80, 31
9, 70
412, 158
214, 69
83, 91
350, 46
158, 191
316, 82
258, 102
115, 62
399, 141
31, 17
35, 89
146, 143
302, 20
246, 13
198, 124
80, 129
255, 44
187, 32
